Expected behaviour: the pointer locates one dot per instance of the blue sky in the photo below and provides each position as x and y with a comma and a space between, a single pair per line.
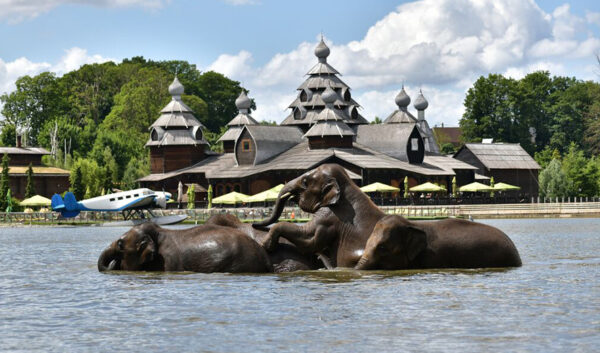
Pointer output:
439, 46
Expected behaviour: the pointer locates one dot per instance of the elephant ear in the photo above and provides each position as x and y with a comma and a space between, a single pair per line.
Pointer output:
415, 241
330, 192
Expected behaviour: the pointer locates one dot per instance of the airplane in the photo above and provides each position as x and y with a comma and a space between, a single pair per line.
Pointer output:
130, 203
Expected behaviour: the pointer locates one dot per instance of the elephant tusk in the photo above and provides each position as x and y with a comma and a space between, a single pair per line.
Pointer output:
285, 195
112, 265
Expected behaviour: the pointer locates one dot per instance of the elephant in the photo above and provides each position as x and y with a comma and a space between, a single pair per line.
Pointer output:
286, 258
206, 248
397, 243
345, 218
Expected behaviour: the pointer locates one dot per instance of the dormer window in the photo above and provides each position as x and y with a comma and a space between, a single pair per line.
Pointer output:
414, 144
353, 112
197, 132
246, 145
305, 95
299, 113
346, 94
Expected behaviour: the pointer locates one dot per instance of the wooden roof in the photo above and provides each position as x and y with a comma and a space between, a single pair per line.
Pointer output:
23, 150
501, 155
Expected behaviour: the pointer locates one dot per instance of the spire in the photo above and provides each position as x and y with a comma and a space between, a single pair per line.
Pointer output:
322, 51
402, 99
176, 89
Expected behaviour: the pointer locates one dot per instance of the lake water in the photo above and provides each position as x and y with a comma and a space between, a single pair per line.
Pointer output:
53, 299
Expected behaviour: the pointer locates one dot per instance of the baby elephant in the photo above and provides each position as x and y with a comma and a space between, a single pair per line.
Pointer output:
397, 243
206, 248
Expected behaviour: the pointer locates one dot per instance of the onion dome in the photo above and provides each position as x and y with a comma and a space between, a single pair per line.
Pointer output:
322, 50
243, 102
402, 99
329, 96
421, 103
176, 88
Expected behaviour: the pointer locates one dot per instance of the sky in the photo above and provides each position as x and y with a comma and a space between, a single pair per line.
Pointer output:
438, 46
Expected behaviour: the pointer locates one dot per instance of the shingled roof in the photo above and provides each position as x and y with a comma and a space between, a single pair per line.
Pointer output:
501, 155
389, 139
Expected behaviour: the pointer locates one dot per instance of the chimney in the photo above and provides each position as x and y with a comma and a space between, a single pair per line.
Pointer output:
19, 138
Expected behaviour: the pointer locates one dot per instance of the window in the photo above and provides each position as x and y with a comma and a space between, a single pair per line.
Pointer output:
246, 146
414, 144
111, 200
120, 197
128, 196
136, 195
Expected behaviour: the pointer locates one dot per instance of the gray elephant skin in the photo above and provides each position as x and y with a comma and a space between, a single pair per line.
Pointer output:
223, 244
345, 219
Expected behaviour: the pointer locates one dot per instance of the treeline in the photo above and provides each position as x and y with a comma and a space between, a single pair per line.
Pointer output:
95, 119
555, 119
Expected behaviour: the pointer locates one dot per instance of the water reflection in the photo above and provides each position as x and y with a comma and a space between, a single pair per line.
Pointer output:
56, 300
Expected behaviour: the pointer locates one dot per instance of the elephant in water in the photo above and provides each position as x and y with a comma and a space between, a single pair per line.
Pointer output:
345, 219
223, 244
397, 243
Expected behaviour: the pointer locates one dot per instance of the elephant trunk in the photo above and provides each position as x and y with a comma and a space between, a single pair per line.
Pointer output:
286, 192
108, 260
363, 263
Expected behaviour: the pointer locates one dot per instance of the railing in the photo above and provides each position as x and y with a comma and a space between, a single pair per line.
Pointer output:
295, 214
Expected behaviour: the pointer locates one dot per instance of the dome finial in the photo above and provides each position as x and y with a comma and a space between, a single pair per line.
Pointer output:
421, 103
243, 103
176, 89
402, 99
322, 50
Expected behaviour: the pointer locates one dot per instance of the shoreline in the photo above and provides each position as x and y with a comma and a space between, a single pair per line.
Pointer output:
294, 214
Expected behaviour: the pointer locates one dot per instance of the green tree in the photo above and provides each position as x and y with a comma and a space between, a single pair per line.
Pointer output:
580, 171
8, 136
545, 156
489, 110
36, 100
136, 168
220, 94
554, 182
29, 190
377, 120
4, 182
77, 187
213, 139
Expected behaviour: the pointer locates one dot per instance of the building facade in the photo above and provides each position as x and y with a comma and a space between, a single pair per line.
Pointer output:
324, 126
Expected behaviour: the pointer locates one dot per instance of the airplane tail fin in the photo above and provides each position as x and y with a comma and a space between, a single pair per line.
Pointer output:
68, 207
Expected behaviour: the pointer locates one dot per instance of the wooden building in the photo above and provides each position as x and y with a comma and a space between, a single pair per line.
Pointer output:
46, 180
324, 126
506, 162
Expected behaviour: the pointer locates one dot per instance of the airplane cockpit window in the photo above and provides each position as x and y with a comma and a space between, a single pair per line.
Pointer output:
136, 195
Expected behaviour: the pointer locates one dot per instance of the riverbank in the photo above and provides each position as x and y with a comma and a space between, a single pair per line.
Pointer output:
294, 214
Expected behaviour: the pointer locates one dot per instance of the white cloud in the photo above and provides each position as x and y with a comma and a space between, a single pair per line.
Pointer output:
240, 2
441, 44
14, 11
75, 58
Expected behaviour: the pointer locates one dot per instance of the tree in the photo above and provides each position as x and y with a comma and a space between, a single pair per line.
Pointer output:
489, 110
136, 168
580, 172
553, 181
4, 181
8, 136
77, 187
545, 156
377, 120
29, 190
220, 94
36, 100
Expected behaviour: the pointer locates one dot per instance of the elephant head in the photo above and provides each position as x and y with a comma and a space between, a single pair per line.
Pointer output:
320, 187
394, 244
133, 251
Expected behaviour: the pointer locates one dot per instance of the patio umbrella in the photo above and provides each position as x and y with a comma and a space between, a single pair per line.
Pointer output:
231, 199
35, 201
406, 187
179, 192
492, 186
454, 187
267, 195
379, 187
191, 194
475, 187
8, 201
505, 186
427, 187
209, 196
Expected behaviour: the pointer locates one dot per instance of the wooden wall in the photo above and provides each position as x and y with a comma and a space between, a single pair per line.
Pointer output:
169, 158
245, 157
